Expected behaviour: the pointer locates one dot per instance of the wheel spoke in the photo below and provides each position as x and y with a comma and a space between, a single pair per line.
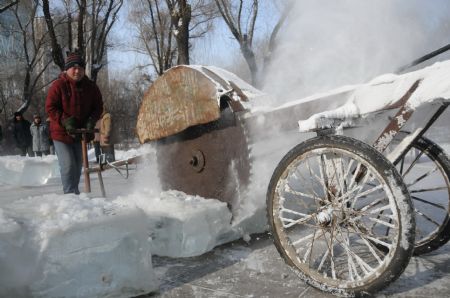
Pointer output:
401, 166
422, 177
387, 224
429, 189
315, 195
429, 203
370, 247
293, 222
369, 191
427, 217
416, 159
372, 204
385, 244
298, 193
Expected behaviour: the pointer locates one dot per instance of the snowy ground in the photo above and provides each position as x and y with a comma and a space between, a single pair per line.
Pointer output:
56, 245
139, 240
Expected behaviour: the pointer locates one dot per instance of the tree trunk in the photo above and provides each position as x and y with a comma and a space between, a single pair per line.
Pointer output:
181, 17
26, 92
56, 48
250, 58
80, 36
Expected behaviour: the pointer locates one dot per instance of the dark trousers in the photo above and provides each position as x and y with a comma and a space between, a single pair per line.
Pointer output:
109, 153
25, 150
70, 161
39, 153
97, 150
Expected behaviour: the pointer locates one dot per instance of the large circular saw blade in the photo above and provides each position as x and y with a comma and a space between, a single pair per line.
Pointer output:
209, 160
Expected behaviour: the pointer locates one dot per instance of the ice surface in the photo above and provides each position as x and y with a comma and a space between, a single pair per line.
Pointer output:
27, 171
180, 225
73, 246
54, 245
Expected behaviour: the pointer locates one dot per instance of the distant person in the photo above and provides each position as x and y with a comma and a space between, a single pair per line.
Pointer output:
22, 134
73, 102
107, 136
40, 134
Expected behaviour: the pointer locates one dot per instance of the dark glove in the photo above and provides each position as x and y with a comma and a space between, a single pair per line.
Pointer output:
70, 124
90, 137
90, 124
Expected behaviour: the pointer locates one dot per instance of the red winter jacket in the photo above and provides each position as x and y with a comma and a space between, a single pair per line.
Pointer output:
67, 98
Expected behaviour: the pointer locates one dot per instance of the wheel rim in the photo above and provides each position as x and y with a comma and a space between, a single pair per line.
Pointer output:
428, 185
336, 218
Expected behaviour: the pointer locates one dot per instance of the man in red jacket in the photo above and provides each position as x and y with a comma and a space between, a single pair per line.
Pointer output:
73, 101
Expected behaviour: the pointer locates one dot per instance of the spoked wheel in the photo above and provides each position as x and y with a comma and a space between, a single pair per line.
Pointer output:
341, 216
425, 169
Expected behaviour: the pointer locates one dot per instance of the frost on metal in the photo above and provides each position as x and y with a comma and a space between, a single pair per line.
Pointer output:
385, 92
385, 140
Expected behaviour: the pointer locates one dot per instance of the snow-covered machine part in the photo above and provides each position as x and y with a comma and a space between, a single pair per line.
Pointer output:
384, 93
211, 128
194, 114
185, 96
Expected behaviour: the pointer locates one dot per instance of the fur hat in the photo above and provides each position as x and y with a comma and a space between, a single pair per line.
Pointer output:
73, 59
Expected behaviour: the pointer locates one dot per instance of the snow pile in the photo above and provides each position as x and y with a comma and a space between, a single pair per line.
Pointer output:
27, 171
73, 246
384, 91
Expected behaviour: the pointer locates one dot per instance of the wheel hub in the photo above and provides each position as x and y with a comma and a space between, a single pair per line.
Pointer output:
325, 217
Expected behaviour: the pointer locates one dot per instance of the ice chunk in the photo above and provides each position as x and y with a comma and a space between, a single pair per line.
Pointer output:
27, 171
181, 225
74, 246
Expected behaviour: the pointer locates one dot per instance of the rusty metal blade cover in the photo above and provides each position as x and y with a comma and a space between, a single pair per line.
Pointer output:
180, 98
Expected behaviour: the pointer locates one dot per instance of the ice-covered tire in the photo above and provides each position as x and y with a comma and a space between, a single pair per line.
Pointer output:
425, 169
341, 216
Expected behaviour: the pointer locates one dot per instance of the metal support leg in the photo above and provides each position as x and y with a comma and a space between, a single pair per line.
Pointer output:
102, 187
87, 181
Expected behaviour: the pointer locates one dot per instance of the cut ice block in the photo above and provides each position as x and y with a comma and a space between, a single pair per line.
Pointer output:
77, 247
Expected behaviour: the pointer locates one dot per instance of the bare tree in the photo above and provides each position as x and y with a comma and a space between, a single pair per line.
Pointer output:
33, 55
167, 27
242, 26
285, 8
122, 100
95, 18
8, 5
155, 35
57, 53
103, 15
181, 13
241, 20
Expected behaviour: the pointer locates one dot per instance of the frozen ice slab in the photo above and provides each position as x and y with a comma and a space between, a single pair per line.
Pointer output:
73, 246
27, 171
181, 225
